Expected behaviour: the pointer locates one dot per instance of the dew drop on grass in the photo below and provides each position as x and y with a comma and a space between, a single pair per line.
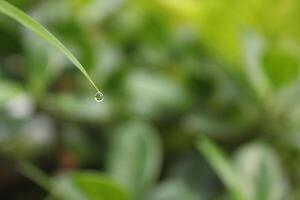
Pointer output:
99, 97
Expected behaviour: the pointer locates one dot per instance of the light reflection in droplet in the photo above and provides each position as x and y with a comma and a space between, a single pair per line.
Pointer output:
99, 96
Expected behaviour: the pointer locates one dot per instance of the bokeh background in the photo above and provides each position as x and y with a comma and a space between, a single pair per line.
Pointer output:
173, 73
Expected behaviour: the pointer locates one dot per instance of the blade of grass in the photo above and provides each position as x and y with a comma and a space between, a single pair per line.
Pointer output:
38, 177
30, 23
222, 167
35, 174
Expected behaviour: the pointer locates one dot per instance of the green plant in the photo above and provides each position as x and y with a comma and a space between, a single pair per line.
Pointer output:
77, 185
27, 21
222, 167
172, 75
253, 173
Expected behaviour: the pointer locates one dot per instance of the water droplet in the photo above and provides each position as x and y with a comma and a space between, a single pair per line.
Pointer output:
99, 97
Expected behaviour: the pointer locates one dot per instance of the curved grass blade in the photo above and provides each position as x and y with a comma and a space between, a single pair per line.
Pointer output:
222, 167
34, 174
27, 21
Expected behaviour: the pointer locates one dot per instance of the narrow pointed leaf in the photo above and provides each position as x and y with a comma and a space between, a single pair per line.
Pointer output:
30, 23
222, 166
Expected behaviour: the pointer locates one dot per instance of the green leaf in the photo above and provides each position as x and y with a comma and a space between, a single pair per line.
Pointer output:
35, 174
175, 190
263, 178
253, 47
76, 185
135, 157
87, 186
222, 166
281, 66
82, 109
27, 21
97, 187
262, 182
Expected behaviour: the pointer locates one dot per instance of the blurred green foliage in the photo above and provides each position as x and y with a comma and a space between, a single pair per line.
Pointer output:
201, 101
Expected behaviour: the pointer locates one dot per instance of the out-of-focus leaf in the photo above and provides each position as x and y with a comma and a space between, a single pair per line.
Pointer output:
96, 10
97, 187
272, 18
287, 100
135, 157
30, 138
20, 106
262, 182
281, 66
194, 173
253, 49
35, 174
76, 142
175, 190
222, 166
84, 109
63, 188
9, 90
150, 94
87, 186
199, 123
262, 175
